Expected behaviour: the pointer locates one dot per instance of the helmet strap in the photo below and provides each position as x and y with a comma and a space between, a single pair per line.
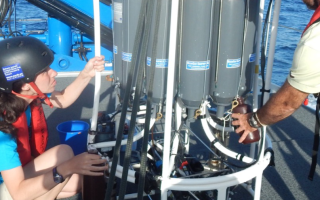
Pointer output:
39, 95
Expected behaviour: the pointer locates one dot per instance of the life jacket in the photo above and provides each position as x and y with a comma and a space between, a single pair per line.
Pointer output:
314, 19
31, 147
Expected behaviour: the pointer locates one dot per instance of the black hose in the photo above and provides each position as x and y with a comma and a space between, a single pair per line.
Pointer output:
143, 160
143, 54
77, 14
11, 9
107, 2
263, 55
15, 32
3, 11
133, 64
106, 34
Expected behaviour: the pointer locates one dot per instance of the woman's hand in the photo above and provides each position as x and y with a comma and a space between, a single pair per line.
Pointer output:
93, 65
87, 164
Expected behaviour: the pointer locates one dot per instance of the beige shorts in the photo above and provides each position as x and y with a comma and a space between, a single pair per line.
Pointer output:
4, 193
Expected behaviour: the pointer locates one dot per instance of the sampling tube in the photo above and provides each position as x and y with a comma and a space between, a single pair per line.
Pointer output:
131, 11
162, 49
195, 52
117, 41
97, 48
229, 18
249, 52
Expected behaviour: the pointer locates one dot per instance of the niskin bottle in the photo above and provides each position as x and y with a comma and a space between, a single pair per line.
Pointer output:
243, 108
94, 187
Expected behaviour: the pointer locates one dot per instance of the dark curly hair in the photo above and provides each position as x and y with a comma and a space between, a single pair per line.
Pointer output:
11, 107
311, 4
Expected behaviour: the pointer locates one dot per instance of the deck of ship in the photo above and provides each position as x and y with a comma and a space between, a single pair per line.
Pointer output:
292, 141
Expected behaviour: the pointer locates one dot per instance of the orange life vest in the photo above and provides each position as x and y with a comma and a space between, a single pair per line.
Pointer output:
29, 147
314, 18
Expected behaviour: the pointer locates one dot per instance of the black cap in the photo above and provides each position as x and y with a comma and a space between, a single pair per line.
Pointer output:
22, 58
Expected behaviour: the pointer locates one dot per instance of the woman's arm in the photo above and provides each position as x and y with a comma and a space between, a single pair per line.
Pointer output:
29, 188
37, 181
66, 97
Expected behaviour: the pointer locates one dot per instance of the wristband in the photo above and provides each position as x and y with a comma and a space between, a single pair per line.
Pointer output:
253, 122
56, 176
257, 118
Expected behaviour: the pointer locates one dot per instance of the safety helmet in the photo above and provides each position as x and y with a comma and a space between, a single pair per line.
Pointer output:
22, 58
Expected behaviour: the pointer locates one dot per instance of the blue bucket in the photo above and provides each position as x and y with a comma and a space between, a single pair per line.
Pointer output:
74, 133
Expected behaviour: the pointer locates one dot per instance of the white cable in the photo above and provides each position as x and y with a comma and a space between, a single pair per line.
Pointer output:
220, 147
129, 178
213, 123
120, 170
174, 150
97, 45
159, 146
170, 97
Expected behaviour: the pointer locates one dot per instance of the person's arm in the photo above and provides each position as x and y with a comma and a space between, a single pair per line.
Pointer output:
31, 188
66, 97
278, 107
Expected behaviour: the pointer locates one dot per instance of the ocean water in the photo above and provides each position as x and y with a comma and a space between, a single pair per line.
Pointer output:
294, 16
26, 10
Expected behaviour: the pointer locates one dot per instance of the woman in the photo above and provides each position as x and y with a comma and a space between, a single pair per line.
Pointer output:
25, 78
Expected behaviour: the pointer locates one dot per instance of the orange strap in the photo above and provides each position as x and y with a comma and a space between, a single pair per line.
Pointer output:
314, 18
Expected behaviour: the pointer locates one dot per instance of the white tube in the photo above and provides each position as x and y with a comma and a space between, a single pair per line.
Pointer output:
257, 187
206, 106
257, 62
186, 143
174, 151
158, 145
222, 193
120, 170
220, 147
193, 195
76, 73
170, 84
217, 126
129, 178
141, 112
149, 146
140, 120
272, 46
150, 157
97, 44
178, 113
258, 181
